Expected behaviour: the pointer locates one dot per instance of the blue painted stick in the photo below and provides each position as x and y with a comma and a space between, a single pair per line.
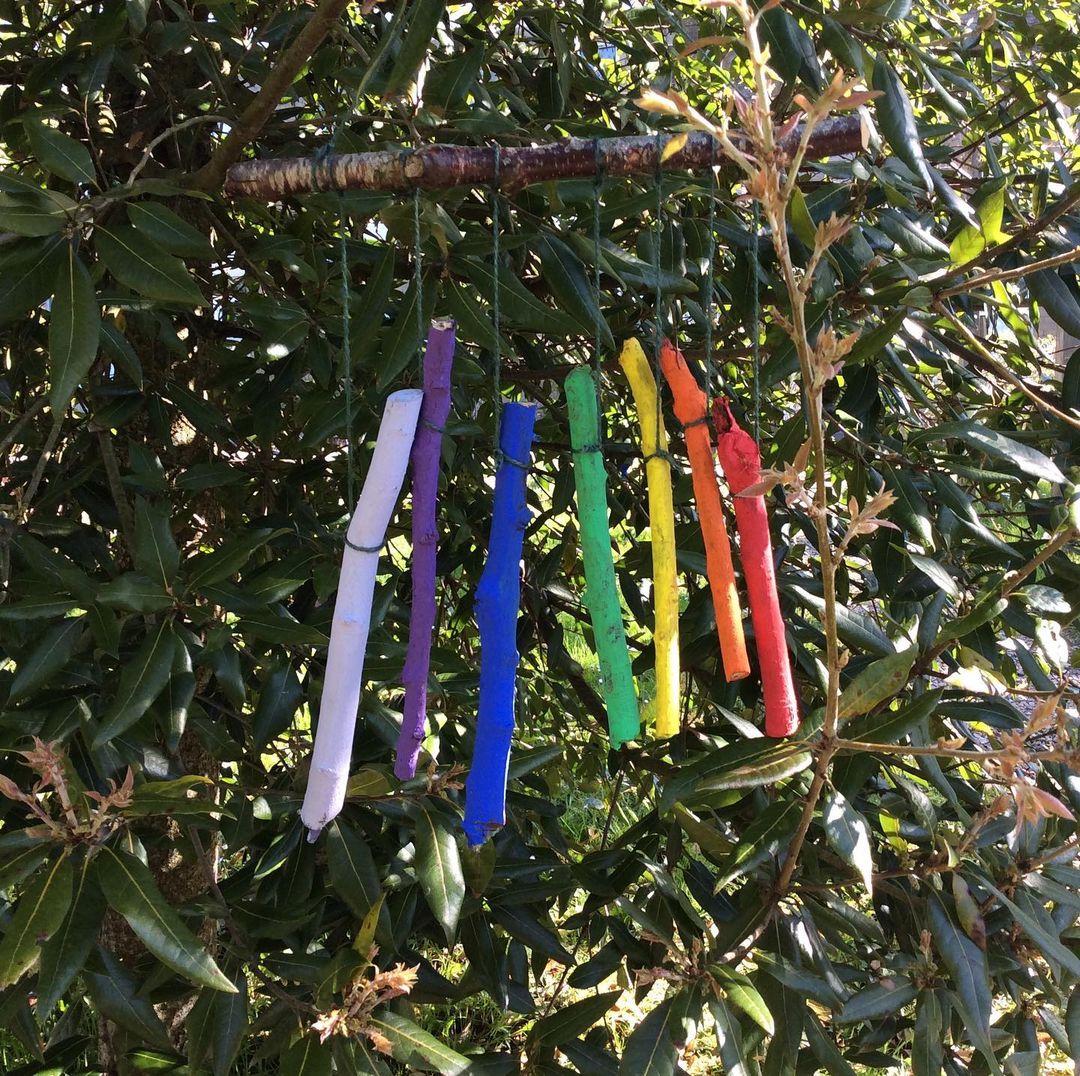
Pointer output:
498, 596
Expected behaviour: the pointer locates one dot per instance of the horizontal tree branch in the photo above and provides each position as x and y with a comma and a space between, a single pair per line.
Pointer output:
438, 167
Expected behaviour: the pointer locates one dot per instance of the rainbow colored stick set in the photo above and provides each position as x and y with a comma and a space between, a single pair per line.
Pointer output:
411, 429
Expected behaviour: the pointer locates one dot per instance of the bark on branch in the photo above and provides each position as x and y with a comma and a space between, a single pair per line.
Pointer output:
442, 166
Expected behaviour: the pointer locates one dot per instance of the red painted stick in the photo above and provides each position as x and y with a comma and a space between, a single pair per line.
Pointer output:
741, 461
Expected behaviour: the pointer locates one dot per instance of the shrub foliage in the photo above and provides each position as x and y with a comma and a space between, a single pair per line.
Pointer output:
900, 892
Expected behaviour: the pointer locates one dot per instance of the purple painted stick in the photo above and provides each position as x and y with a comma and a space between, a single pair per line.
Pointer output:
426, 452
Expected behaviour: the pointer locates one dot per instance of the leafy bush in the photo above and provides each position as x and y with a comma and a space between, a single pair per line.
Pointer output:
894, 887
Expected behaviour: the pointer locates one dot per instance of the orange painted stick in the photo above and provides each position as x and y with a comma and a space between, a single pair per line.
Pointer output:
739, 456
691, 410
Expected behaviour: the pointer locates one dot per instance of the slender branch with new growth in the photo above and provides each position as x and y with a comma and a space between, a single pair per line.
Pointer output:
772, 180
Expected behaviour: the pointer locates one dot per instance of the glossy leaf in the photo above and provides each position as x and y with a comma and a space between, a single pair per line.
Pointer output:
129, 888
60, 153
46, 659
74, 328
967, 966
849, 836
438, 867
137, 263
37, 917
141, 682
415, 1048
64, 955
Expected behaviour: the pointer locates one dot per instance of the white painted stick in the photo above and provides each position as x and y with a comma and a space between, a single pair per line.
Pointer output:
344, 678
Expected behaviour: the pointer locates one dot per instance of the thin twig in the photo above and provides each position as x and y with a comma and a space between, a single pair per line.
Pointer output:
148, 152
1002, 275
39, 467
35, 408
1058, 542
1001, 369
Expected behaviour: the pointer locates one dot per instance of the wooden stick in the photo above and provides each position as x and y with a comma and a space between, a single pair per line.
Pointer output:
741, 460
438, 167
426, 452
344, 677
601, 593
498, 596
654, 446
691, 409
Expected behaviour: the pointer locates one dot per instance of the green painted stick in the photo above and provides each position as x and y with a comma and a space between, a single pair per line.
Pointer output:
601, 596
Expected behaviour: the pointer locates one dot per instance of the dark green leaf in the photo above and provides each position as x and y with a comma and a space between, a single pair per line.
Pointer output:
353, 873
877, 1002
279, 697
65, 953
38, 915
136, 262
423, 19
35, 216
765, 834
142, 680
966, 963
136, 593
565, 275
415, 1048
74, 329
1053, 294
308, 1057
897, 119
156, 554
654, 1045
849, 835
129, 888
878, 682
60, 153
739, 765
927, 1047
438, 867
996, 445
117, 994
230, 1025
28, 274
50, 655
741, 992
1050, 944
169, 230
572, 1021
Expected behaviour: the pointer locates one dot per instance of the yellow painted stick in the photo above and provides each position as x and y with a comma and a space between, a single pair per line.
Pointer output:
662, 528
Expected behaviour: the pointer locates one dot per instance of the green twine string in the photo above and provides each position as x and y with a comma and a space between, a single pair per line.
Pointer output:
755, 318
710, 281
346, 355
598, 184
418, 282
324, 157
496, 310
658, 297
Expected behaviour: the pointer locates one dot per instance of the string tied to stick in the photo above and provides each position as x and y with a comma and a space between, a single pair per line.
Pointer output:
365, 548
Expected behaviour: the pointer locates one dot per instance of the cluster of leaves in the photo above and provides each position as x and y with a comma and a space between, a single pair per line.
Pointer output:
173, 502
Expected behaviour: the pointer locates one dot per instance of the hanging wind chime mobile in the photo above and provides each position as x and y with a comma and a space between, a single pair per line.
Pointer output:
411, 429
